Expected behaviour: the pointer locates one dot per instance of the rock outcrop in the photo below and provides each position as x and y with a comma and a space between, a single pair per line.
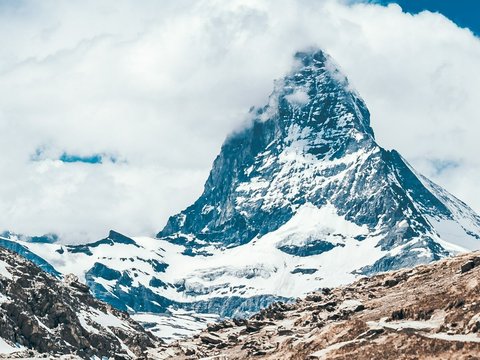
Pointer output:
40, 314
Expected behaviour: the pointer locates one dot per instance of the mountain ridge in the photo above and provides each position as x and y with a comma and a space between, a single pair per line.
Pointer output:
330, 123
39, 312
241, 148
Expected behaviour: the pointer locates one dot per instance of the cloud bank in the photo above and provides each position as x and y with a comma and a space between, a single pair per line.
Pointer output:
150, 90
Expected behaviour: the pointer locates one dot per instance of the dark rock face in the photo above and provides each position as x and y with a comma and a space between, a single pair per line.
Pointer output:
113, 238
469, 265
312, 248
40, 312
313, 144
304, 271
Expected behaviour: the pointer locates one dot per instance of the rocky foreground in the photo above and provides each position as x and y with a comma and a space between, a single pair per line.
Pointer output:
42, 316
428, 312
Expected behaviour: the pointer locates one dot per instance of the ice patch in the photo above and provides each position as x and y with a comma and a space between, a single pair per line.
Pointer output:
453, 233
7, 348
311, 222
179, 324
434, 323
455, 337
4, 270
350, 305
105, 320
3, 298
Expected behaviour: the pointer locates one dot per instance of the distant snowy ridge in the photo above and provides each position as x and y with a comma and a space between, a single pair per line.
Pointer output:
302, 198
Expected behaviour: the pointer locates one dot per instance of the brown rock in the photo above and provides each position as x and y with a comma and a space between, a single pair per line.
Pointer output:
211, 338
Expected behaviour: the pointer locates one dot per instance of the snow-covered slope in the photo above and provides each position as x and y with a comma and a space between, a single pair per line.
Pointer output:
301, 198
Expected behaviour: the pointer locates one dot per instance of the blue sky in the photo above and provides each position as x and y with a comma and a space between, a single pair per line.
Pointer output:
465, 13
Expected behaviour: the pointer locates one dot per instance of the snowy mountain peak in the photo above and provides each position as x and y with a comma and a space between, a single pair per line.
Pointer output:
314, 110
312, 143
317, 86
312, 115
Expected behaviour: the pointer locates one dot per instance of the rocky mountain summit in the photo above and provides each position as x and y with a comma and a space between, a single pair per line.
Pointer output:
312, 146
40, 314
428, 312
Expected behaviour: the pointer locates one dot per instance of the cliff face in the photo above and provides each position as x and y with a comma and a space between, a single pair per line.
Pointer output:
428, 312
42, 313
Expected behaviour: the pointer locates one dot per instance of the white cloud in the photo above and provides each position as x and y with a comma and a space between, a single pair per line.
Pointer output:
298, 97
159, 85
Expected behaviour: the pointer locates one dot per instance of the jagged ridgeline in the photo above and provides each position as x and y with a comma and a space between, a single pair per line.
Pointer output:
313, 144
41, 313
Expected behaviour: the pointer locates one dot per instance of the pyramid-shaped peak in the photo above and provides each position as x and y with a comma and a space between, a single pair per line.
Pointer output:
315, 62
315, 95
315, 105
312, 56
312, 116
311, 144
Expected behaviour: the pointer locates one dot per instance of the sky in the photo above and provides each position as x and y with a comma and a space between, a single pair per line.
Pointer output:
464, 13
112, 112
